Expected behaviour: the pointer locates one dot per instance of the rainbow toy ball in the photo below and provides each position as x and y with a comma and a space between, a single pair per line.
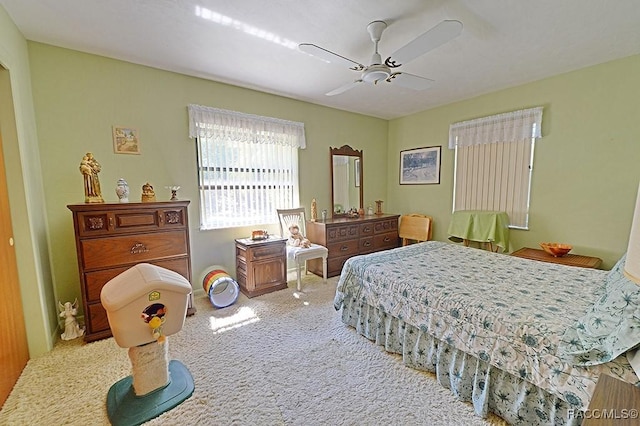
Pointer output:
220, 287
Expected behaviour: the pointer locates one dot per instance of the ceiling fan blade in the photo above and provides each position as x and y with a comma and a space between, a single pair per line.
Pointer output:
436, 36
343, 88
329, 56
410, 81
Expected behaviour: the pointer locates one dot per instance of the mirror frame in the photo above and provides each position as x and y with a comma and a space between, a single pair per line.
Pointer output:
350, 152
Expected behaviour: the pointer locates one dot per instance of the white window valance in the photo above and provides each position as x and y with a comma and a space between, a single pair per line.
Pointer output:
515, 126
238, 126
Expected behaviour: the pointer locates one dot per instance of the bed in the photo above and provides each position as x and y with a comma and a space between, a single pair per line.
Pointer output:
523, 339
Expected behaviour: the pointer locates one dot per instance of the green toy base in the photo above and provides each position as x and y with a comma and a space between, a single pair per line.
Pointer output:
126, 409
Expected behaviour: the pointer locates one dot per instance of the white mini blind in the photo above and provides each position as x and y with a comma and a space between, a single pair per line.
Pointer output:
494, 163
247, 166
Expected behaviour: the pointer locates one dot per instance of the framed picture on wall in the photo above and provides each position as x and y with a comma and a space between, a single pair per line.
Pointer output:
125, 140
356, 171
420, 166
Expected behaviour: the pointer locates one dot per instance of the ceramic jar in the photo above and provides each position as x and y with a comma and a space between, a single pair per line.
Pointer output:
122, 190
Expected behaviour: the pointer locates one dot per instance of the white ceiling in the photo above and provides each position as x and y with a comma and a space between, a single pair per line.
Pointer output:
252, 43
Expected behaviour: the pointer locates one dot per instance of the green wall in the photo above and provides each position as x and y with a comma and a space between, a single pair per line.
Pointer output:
586, 173
79, 97
24, 180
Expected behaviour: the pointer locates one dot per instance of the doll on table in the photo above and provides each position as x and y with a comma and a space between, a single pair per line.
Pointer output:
296, 239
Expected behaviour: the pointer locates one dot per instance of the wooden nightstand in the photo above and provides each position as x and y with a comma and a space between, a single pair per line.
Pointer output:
614, 402
567, 259
261, 266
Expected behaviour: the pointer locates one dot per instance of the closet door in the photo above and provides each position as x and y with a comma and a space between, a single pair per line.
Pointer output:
14, 352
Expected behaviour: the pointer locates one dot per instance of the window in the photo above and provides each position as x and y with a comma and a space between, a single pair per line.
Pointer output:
494, 163
247, 166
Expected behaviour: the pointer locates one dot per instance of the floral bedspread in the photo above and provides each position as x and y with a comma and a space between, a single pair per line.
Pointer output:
506, 311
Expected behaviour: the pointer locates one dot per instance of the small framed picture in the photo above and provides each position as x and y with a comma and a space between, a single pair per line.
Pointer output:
420, 166
125, 140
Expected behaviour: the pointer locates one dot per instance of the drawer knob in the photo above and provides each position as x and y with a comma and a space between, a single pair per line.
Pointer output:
367, 243
344, 248
387, 239
138, 248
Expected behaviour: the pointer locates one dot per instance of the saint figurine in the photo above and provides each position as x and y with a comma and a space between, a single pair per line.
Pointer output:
89, 167
314, 210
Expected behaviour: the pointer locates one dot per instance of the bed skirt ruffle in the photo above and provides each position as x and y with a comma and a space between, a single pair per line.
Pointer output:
471, 379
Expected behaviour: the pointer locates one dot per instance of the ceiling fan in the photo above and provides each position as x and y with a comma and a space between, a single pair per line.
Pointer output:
379, 71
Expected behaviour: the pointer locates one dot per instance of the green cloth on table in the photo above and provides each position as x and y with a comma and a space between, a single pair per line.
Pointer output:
480, 226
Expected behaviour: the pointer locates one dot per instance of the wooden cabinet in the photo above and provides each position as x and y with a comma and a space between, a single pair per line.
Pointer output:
567, 259
345, 237
111, 238
614, 403
261, 266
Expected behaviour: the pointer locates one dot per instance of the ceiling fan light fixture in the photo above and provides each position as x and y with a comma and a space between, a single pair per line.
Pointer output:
375, 73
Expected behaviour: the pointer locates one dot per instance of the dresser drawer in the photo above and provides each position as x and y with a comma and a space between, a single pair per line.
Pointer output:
344, 248
385, 226
334, 265
129, 249
367, 245
366, 229
343, 232
136, 220
94, 281
98, 320
261, 252
385, 241
93, 223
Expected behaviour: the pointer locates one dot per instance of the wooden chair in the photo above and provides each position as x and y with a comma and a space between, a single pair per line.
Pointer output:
415, 227
300, 255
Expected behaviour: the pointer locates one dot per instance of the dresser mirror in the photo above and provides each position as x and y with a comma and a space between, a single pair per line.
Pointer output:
346, 180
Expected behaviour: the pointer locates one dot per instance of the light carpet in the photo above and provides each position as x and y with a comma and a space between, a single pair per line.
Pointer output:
284, 358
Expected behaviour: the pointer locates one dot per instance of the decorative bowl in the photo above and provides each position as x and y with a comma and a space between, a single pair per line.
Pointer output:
556, 249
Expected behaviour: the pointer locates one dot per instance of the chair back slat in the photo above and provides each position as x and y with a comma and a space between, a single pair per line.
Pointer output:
288, 217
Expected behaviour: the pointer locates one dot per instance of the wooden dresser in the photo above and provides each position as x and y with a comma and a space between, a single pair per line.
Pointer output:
345, 237
111, 238
261, 266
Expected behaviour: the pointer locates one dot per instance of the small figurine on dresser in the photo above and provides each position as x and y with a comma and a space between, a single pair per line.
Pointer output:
148, 194
379, 207
314, 210
296, 239
174, 192
71, 328
89, 167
